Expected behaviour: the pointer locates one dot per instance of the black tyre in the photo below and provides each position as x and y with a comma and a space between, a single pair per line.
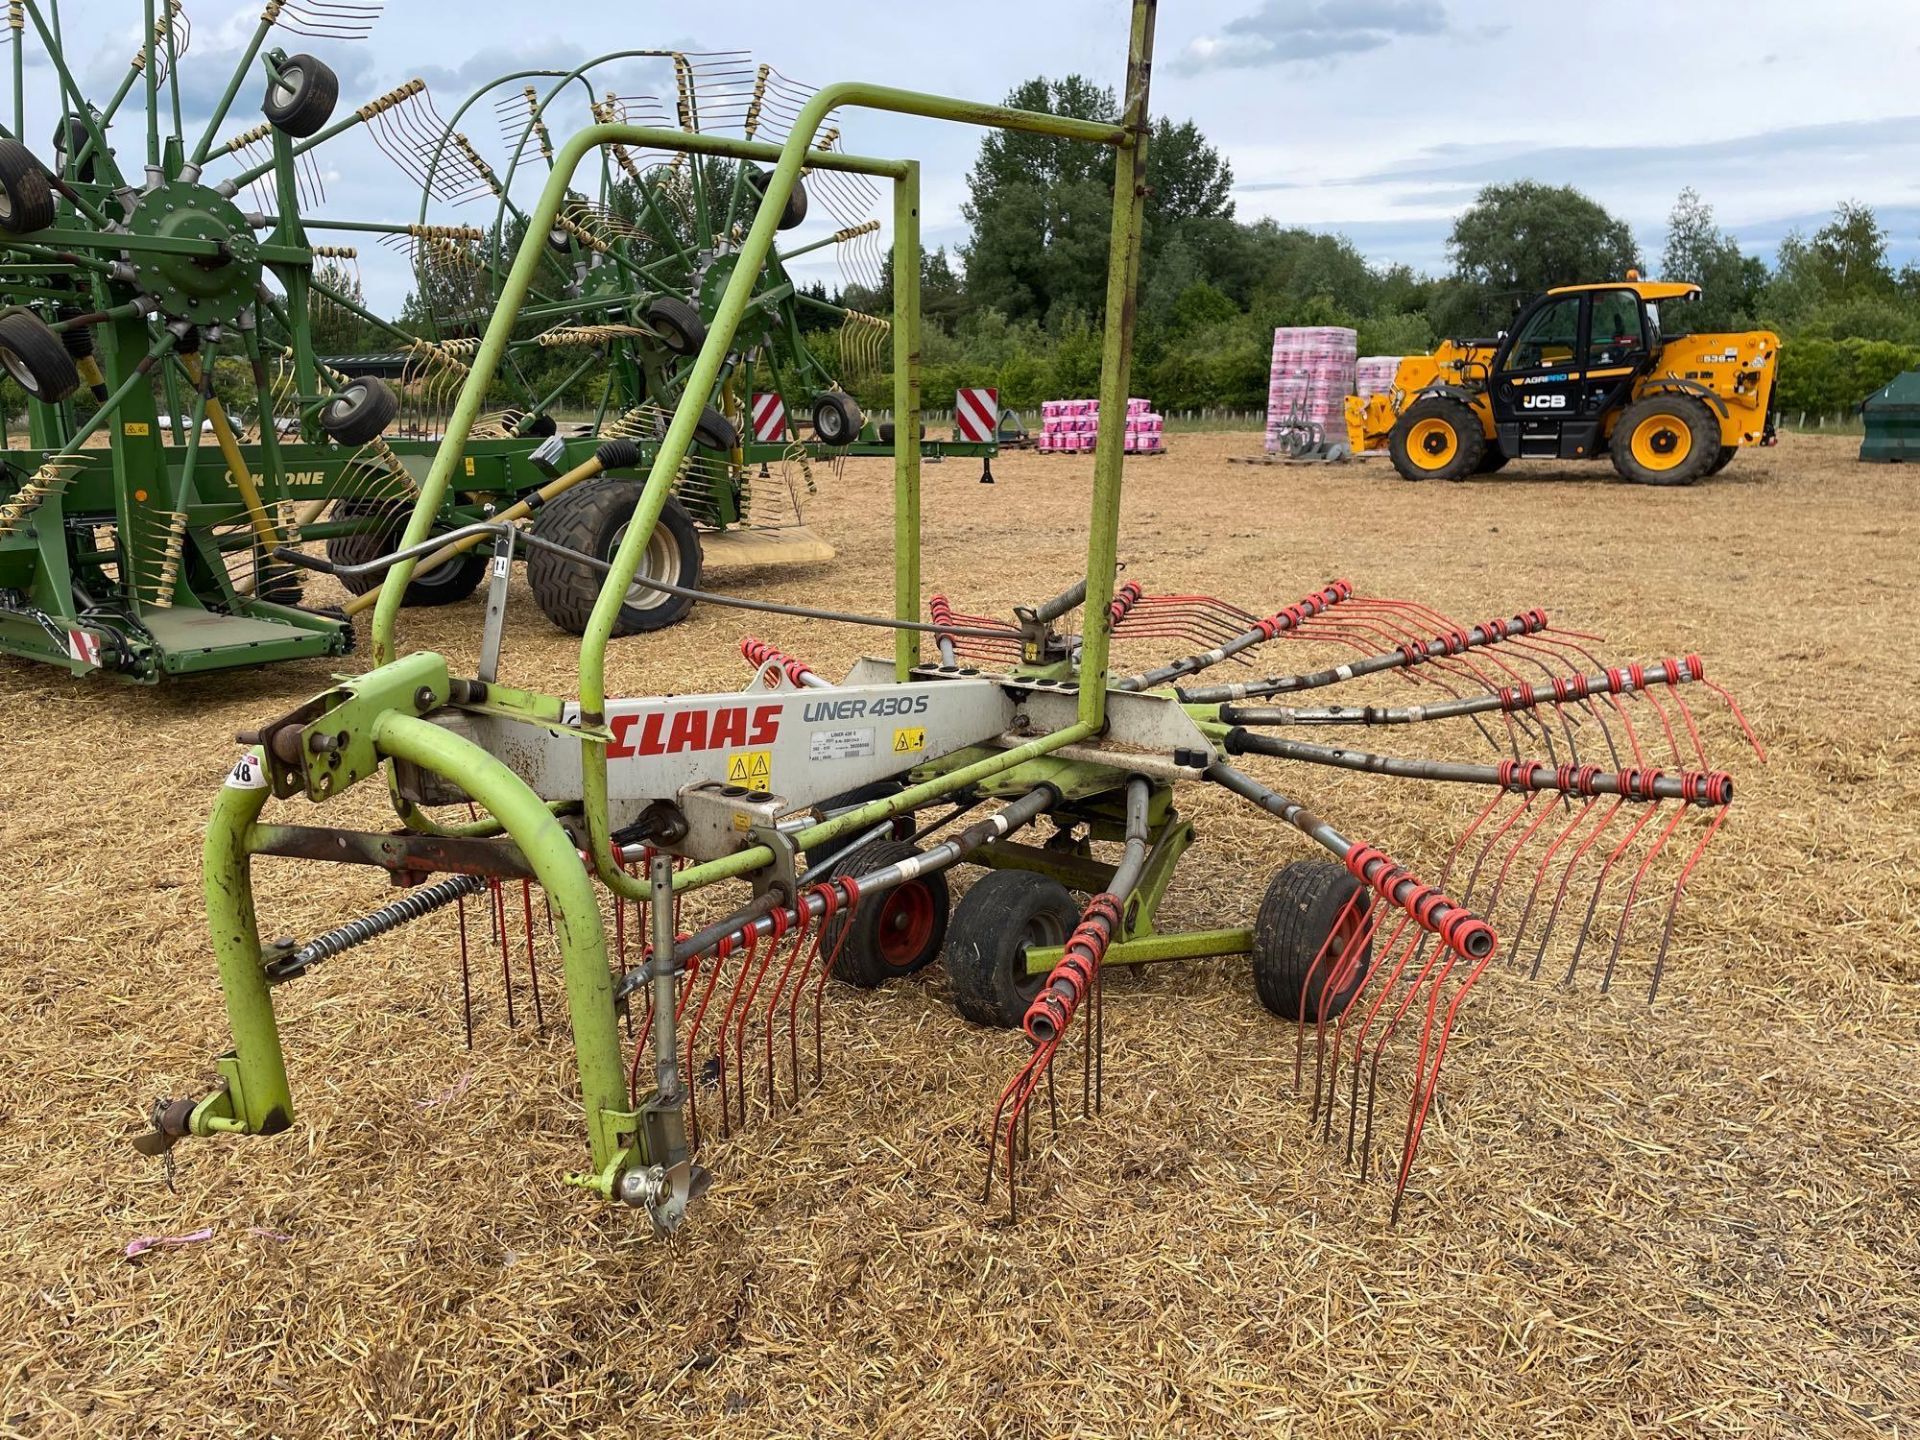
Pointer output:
848, 800
715, 432
677, 323
836, 418
1665, 440
277, 582
35, 357
999, 919
1436, 439
795, 211
1723, 459
445, 584
360, 410
301, 101
1493, 461
891, 934
70, 137
886, 432
26, 199
592, 517
1305, 903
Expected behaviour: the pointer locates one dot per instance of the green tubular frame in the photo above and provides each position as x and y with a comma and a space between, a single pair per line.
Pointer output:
256, 1098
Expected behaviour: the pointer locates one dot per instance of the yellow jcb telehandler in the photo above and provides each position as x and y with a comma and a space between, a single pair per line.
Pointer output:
1584, 372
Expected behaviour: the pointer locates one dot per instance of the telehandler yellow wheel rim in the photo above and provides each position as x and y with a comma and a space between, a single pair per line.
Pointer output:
1431, 444
1662, 442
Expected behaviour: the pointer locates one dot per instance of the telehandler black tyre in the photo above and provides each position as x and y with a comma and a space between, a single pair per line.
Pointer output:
1667, 439
1438, 438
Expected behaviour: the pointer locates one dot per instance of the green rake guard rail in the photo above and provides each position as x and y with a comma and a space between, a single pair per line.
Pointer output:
376, 717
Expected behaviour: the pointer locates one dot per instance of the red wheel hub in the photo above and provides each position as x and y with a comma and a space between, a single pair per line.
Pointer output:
905, 925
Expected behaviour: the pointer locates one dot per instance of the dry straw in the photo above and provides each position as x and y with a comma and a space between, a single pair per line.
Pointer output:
1698, 1219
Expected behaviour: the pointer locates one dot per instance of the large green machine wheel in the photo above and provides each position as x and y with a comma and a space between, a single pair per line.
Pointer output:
592, 518
445, 584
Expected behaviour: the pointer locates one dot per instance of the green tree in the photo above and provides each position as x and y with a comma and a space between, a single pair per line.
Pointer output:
1699, 251
1040, 207
1848, 255
1517, 240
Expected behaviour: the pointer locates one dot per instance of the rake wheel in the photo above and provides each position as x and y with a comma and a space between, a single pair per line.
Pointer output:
26, 200
301, 99
33, 355
1305, 921
899, 933
998, 920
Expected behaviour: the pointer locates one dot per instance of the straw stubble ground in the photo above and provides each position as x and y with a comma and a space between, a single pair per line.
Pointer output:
1698, 1218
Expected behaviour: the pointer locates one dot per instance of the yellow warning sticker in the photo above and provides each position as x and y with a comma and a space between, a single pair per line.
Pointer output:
742, 821
469, 464
751, 768
910, 741
137, 427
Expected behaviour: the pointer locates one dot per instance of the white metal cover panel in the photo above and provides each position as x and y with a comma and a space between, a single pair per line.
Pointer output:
804, 745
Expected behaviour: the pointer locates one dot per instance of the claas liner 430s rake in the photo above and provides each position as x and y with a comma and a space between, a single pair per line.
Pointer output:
822, 802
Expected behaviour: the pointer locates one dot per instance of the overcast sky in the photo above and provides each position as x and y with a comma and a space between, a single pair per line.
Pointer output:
1377, 118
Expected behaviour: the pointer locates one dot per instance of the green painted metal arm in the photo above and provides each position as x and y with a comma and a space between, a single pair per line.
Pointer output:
791, 157
256, 1095
576, 912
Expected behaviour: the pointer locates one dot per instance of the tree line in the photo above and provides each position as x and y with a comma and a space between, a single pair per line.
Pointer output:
1022, 308
1019, 307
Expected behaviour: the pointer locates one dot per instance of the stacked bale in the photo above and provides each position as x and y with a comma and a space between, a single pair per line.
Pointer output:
1373, 375
1312, 375
1072, 426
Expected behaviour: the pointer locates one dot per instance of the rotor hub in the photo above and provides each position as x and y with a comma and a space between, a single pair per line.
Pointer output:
210, 270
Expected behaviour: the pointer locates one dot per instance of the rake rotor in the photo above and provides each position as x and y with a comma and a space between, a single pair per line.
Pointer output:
1599, 839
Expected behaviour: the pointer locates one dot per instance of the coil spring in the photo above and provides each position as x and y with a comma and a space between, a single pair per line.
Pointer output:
378, 922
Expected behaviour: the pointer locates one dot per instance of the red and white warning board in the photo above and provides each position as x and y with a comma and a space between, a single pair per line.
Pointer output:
769, 419
976, 414
83, 647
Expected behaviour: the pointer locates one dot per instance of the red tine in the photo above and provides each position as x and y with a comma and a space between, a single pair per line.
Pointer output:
1540, 874
718, 964
783, 920
499, 901
533, 970
1600, 885
1427, 1082
466, 974
1573, 862
850, 889
747, 966
829, 903
1633, 892
1356, 906
803, 931
1679, 888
